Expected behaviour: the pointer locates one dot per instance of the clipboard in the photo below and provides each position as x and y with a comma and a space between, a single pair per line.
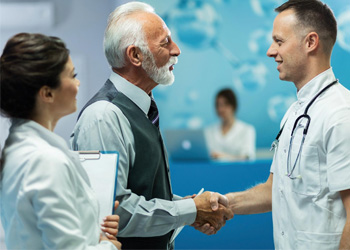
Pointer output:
102, 169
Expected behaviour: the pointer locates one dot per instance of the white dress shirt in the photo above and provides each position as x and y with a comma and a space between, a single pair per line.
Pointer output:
103, 126
308, 212
238, 141
46, 199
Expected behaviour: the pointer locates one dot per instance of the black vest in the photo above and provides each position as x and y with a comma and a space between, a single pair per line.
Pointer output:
149, 175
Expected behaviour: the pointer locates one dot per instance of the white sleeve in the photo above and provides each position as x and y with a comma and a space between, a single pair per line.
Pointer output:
337, 142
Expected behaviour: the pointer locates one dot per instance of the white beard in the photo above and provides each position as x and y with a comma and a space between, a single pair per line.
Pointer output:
160, 75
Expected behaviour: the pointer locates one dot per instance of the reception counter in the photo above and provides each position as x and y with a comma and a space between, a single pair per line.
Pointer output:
243, 231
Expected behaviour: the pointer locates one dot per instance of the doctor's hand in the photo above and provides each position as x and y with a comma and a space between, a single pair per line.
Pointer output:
110, 228
215, 199
210, 221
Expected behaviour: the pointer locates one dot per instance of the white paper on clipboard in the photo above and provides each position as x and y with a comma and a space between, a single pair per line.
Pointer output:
179, 229
102, 169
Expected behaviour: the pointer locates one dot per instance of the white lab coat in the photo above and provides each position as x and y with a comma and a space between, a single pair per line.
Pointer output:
308, 212
46, 199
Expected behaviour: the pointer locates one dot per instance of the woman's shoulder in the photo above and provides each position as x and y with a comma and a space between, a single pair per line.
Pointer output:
212, 130
241, 125
36, 164
43, 155
28, 148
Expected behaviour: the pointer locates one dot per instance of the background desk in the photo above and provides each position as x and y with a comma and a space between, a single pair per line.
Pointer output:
244, 231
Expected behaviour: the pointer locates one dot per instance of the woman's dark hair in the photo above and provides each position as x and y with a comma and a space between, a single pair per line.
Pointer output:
229, 96
29, 62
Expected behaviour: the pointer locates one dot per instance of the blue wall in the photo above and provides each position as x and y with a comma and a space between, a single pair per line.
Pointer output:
224, 44
243, 231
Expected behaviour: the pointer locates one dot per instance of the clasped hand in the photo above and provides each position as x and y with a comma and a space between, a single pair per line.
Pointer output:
212, 212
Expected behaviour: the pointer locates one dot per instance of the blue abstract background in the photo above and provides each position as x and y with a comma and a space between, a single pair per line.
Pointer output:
224, 44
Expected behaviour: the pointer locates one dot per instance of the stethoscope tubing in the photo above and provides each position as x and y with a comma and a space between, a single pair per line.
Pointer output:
305, 115
306, 128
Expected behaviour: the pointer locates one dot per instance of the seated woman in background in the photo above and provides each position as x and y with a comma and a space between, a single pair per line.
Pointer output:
46, 198
232, 139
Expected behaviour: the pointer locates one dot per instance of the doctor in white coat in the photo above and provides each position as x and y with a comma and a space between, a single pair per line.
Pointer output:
46, 198
308, 189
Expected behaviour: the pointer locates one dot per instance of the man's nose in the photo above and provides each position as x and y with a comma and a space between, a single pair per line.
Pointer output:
271, 52
174, 50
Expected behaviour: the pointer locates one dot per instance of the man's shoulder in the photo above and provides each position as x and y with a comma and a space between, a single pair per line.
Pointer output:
335, 108
337, 100
100, 109
98, 113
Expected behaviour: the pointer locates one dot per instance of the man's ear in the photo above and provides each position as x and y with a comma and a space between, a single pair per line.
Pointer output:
134, 55
312, 42
46, 94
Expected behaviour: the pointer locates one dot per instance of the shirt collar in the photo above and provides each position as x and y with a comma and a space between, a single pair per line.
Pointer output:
314, 86
35, 129
134, 93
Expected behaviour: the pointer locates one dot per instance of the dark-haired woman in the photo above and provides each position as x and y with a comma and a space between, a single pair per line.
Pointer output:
231, 139
46, 198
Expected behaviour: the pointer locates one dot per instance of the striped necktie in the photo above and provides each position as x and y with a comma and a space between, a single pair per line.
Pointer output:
153, 114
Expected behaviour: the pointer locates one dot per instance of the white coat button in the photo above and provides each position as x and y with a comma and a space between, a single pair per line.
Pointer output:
282, 233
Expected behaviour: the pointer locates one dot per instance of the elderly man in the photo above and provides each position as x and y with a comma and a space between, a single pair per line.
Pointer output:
123, 116
308, 189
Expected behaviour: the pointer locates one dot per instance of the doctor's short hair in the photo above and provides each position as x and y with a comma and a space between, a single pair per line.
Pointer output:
29, 62
229, 96
123, 30
313, 15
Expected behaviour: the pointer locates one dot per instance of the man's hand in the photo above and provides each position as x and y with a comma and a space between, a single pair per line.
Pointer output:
216, 199
210, 221
189, 197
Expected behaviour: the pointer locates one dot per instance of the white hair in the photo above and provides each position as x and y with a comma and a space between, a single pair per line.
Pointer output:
123, 31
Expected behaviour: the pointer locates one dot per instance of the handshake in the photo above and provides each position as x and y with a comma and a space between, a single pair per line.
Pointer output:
212, 212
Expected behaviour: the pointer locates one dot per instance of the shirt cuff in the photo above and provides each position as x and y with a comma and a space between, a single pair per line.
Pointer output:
176, 197
187, 212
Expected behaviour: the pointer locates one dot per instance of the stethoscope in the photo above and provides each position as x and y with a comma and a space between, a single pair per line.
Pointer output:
306, 128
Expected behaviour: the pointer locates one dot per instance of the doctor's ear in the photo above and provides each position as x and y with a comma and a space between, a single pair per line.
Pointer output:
134, 55
312, 41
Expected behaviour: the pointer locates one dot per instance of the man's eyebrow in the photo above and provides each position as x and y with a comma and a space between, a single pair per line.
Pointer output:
276, 37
